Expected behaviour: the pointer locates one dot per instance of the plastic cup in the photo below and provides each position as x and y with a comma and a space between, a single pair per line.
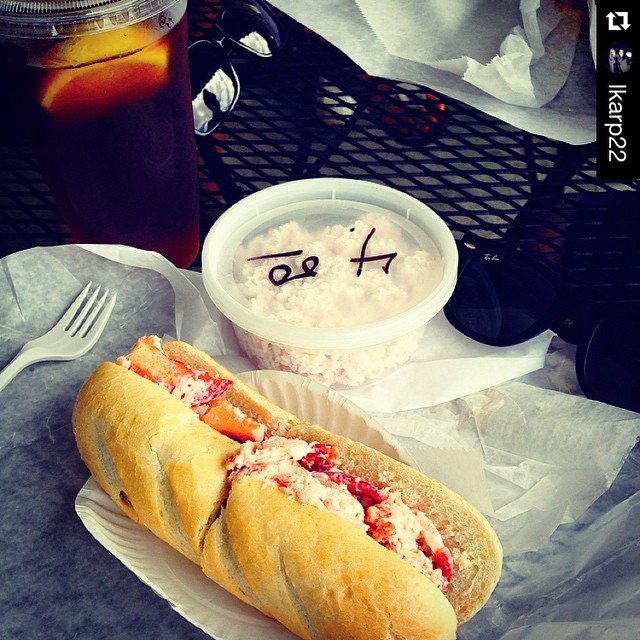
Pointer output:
102, 88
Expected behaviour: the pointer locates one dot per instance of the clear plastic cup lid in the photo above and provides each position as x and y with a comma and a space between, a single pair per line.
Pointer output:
59, 18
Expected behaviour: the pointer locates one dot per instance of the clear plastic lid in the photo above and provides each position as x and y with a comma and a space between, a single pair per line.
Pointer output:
329, 263
60, 18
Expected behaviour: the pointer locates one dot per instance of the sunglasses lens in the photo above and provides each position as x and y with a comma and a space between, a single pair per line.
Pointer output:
609, 368
502, 300
214, 85
253, 26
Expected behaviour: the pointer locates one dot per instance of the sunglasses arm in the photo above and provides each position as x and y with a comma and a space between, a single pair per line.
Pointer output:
216, 35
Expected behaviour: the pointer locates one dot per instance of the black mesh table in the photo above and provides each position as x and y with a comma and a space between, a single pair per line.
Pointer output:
310, 111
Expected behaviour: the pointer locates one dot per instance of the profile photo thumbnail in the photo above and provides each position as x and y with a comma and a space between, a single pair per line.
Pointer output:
619, 58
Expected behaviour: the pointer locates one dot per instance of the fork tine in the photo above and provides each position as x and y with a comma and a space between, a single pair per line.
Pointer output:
100, 319
83, 329
78, 321
73, 308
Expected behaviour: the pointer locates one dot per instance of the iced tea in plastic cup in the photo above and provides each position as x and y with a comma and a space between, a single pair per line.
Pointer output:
102, 87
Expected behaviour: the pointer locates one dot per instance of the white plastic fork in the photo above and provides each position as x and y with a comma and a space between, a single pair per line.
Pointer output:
73, 335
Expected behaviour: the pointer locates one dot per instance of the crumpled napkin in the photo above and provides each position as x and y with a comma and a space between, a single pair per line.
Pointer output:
528, 63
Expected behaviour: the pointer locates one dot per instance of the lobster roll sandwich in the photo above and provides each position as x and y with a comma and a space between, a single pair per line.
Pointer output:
330, 537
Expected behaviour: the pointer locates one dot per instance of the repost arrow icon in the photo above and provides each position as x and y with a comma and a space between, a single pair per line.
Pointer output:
612, 17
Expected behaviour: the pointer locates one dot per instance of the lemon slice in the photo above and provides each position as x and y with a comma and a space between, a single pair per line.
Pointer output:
91, 91
102, 45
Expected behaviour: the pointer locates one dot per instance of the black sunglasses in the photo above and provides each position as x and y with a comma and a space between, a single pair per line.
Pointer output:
504, 297
215, 87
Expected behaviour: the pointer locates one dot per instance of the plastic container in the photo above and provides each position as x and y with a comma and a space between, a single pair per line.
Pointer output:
331, 278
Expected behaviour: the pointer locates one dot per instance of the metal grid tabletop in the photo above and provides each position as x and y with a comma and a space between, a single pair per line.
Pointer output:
310, 111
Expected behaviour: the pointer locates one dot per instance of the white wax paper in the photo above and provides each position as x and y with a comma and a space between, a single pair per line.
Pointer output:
526, 62
538, 461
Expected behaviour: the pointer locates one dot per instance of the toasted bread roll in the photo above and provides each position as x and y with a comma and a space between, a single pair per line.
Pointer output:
152, 456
